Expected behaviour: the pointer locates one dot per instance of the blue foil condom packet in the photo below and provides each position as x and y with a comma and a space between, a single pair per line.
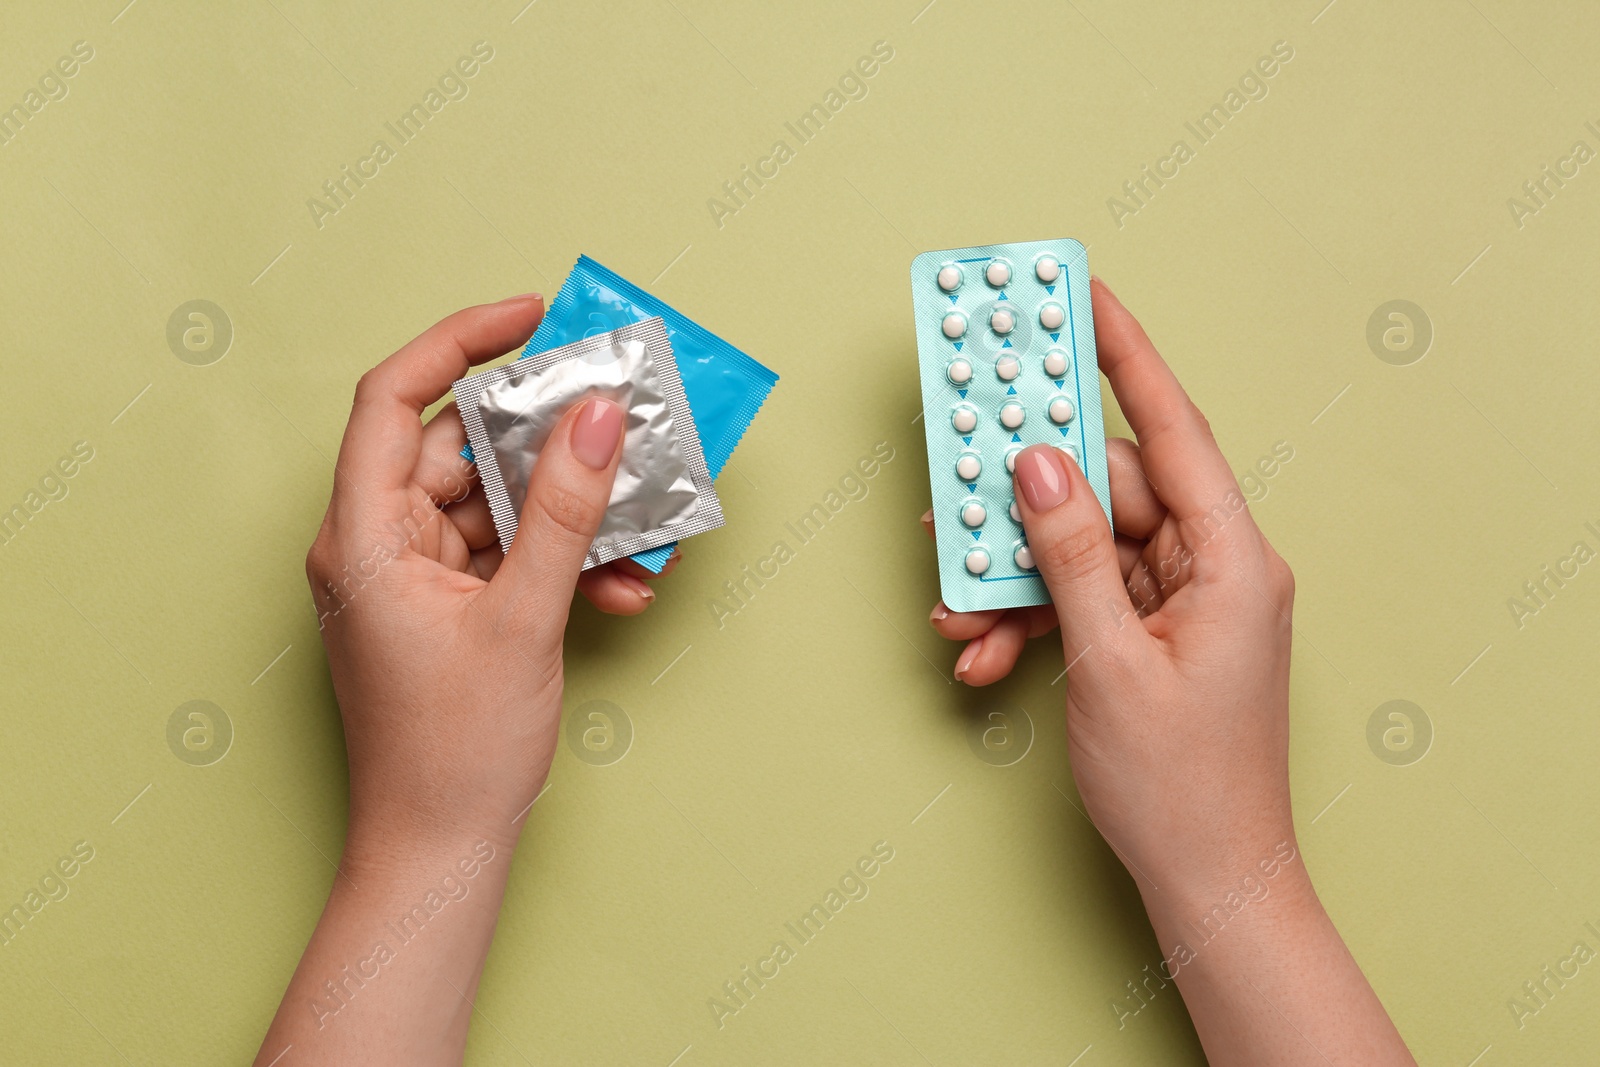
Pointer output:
725, 387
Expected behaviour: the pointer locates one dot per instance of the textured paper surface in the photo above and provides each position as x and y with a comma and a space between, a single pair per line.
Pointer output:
777, 736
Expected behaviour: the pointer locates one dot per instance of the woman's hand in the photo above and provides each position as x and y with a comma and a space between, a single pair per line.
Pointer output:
1176, 636
447, 661
445, 654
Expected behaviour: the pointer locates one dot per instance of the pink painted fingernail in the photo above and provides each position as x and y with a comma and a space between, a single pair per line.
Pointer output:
1041, 478
524, 296
964, 664
940, 613
638, 586
595, 433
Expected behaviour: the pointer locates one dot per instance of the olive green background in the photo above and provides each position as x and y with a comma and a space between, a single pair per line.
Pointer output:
770, 752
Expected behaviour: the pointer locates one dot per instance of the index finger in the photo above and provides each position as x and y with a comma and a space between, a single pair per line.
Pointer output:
1181, 457
384, 436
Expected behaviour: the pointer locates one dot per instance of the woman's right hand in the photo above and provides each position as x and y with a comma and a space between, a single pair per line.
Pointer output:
1176, 634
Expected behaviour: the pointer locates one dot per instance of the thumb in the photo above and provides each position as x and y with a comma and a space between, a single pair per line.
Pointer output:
567, 497
1074, 549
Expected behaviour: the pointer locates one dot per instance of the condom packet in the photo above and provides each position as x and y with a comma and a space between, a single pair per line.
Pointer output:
663, 489
725, 387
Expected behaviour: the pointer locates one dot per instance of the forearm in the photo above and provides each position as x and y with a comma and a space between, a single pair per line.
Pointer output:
391, 969
1264, 973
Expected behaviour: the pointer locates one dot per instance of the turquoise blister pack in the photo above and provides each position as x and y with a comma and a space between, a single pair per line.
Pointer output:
1005, 345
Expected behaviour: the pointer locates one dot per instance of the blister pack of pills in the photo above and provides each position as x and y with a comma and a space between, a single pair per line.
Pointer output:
725, 387
662, 491
1005, 345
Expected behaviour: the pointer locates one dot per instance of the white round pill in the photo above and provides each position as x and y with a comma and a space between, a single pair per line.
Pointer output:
1051, 316
997, 273
955, 324
1061, 411
1070, 450
1055, 362
1023, 557
973, 513
950, 278
964, 419
1002, 321
1011, 462
1011, 414
977, 560
959, 371
1016, 516
969, 466
1048, 268
1008, 368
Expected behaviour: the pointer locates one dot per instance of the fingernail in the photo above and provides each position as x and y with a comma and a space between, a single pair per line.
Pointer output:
524, 296
927, 516
1041, 478
637, 586
964, 664
595, 433
940, 613
1102, 283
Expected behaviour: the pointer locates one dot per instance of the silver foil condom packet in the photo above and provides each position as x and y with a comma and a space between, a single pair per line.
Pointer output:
663, 491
